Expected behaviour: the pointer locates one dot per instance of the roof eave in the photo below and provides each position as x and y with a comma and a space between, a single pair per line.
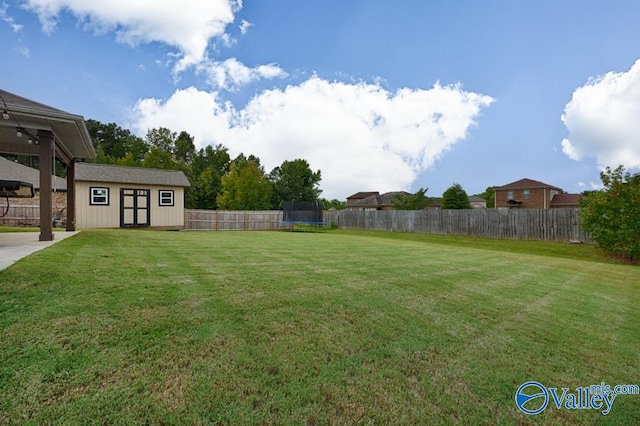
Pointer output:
50, 120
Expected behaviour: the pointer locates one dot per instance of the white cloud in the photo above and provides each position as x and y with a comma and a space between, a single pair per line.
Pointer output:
361, 136
22, 51
570, 150
244, 26
232, 74
602, 120
188, 25
10, 20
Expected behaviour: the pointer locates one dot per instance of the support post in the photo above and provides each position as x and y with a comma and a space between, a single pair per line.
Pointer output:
45, 151
71, 196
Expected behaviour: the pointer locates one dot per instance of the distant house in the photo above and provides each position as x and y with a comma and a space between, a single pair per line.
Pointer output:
565, 201
435, 203
119, 197
533, 194
477, 202
354, 199
10, 170
367, 201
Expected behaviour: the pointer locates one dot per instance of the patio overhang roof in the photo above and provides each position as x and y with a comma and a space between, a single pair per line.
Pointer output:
31, 128
21, 115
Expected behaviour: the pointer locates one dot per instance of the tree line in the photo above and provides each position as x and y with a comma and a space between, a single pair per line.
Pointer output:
217, 180
454, 198
220, 182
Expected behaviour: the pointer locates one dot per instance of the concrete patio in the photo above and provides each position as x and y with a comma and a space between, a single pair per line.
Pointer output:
17, 245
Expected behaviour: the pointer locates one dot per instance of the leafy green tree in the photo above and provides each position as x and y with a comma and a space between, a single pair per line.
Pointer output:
128, 160
162, 139
417, 201
208, 167
294, 181
455, 198
115, 145
185, 149
165, 144
205, 190
102, 157
612, 215
157, 158
245, 187
489, 195
333, 204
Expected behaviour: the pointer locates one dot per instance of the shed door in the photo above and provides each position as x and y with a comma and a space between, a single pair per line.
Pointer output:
135, 207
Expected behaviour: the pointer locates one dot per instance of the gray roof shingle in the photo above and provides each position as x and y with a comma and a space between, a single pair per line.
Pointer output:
376, 200
16, 100
566, 199
133, 175
475, 199
526, 183
10, 170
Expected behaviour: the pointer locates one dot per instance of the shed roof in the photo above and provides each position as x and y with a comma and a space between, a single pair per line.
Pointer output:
526, 183
10, 170
134, 175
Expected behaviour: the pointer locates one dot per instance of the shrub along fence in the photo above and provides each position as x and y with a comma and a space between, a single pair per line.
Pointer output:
226, 220
535, 224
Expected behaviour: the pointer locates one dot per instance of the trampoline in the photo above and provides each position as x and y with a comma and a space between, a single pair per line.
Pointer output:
304, 213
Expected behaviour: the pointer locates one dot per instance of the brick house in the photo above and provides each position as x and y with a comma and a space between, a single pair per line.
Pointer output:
532, 194
364, 201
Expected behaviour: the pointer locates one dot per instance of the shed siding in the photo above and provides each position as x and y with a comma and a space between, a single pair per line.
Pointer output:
92, 216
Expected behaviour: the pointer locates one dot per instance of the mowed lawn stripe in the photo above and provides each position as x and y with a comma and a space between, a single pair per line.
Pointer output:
276, 327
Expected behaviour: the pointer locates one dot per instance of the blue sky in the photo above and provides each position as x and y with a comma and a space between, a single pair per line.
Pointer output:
378, 95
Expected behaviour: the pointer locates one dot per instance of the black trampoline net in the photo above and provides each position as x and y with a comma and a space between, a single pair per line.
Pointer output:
302, 212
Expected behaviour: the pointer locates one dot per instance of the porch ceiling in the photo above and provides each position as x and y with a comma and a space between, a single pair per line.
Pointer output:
69, 130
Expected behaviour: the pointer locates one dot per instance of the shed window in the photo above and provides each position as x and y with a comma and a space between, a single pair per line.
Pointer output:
166, 198
98, 196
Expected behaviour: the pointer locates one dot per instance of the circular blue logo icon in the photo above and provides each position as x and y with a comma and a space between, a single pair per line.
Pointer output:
532, 398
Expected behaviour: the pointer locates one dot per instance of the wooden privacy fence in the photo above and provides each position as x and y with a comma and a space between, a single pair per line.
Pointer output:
535, 224
226, 220
20, 215
29, 215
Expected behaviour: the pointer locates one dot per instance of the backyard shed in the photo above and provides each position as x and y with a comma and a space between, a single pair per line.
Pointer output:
120, 197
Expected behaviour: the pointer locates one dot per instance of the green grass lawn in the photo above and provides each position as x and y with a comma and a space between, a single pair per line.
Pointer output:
4, 228
133, 327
